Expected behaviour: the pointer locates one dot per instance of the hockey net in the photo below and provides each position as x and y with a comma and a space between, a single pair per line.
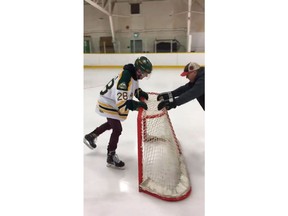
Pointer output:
161, 167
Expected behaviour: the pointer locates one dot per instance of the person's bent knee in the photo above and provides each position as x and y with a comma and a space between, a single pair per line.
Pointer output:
117, 130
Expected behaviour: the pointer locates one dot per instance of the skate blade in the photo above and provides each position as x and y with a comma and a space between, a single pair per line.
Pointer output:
115, 167
88, 145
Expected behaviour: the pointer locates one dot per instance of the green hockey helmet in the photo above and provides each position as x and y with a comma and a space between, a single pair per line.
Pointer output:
143, 64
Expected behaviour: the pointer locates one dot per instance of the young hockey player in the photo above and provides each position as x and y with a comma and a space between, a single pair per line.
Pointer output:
193, 89
114, 103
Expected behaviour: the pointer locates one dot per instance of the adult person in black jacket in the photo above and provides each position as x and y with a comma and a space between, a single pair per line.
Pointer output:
195, 88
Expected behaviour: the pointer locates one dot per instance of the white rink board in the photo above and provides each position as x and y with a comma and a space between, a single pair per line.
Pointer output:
157, 59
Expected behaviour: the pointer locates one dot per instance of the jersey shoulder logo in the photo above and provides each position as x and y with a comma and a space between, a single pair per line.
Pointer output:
122, 86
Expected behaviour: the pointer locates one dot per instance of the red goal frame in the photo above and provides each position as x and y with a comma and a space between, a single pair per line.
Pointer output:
140, 128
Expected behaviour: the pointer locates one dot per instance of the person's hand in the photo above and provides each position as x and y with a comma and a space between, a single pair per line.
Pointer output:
168, 104
134, 105
140, 93
164, 96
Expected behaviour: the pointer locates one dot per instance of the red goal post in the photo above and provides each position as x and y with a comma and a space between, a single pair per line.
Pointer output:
162, 171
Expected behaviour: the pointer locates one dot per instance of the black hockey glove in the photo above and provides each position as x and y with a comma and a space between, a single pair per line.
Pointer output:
140, 93
164, 96
168, 104
134, 105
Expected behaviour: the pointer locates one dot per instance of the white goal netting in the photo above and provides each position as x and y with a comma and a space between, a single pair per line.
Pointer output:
162, 169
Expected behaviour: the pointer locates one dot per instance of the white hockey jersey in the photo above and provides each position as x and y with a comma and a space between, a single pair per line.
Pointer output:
112, 99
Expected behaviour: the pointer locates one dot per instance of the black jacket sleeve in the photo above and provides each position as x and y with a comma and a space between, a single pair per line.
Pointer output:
190, 91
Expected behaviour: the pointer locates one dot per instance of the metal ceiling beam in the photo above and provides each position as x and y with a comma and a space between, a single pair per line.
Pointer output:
189, 35
98, 7
201, 3
109, 13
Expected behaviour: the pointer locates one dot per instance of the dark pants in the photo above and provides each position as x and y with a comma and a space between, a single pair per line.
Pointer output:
116, 127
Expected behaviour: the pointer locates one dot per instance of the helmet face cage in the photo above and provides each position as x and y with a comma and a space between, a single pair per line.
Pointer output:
144, 65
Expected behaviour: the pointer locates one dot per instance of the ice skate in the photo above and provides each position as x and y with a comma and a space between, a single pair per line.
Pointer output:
90, 140
114, 162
